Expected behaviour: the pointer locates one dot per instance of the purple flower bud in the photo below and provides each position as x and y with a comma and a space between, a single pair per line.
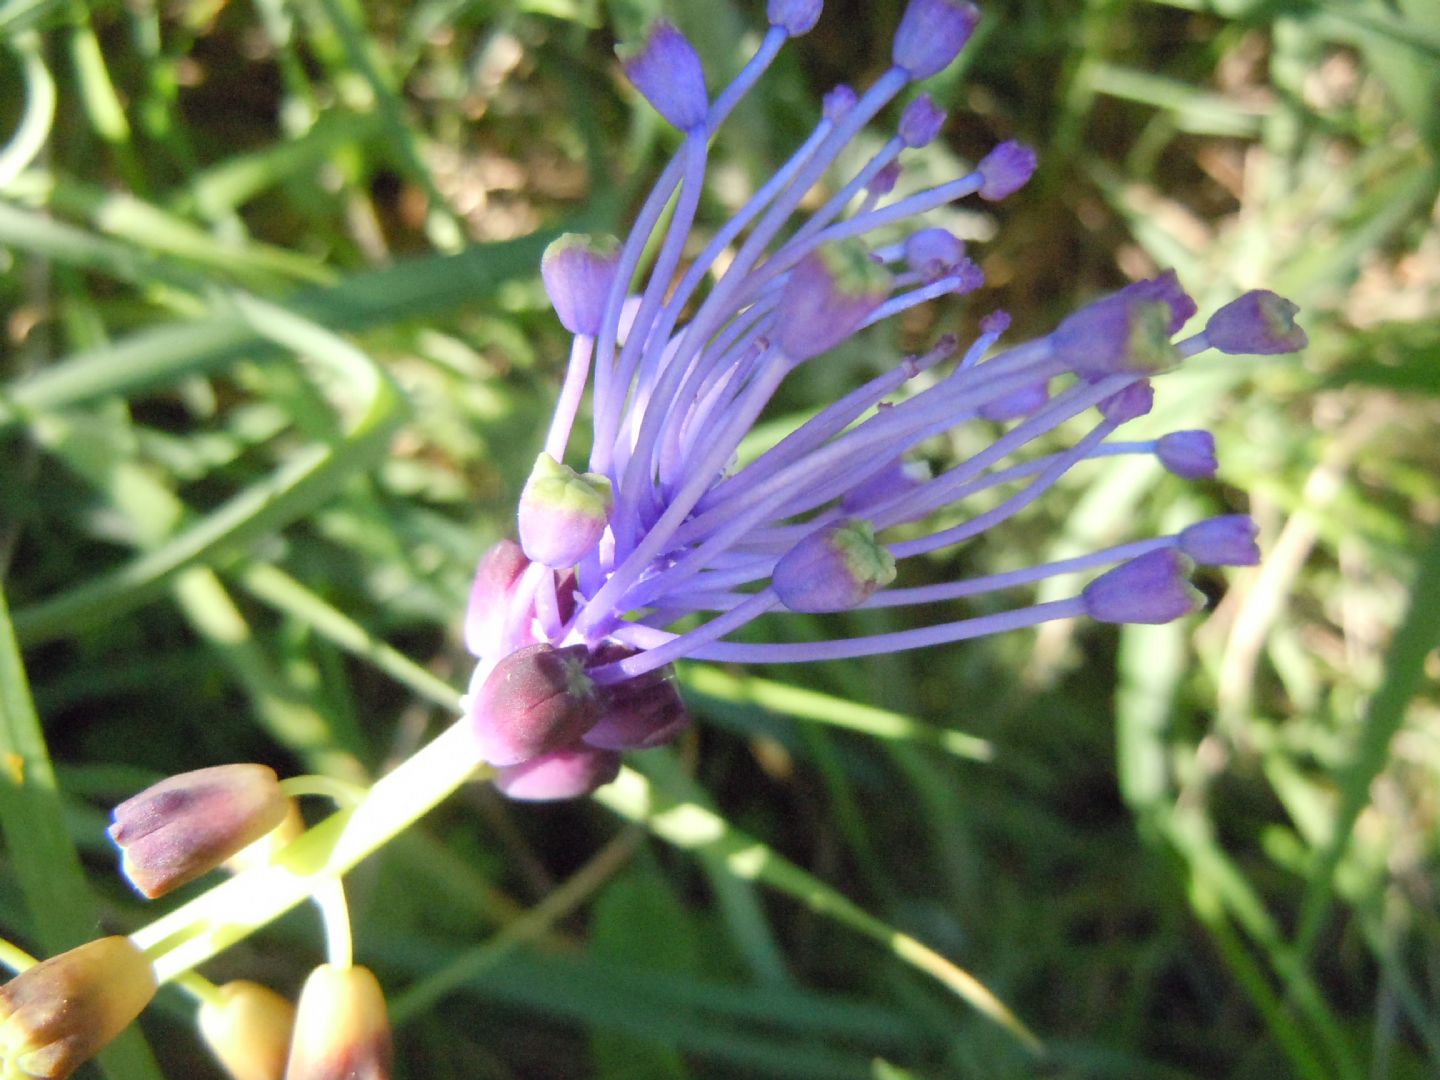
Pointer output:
1166, 288
829, 294
562, 513
187, 825
1012, 406
968, 277
884, 181
1258, 323
567, 773
837, 103
1137, 399
896, 478
639, 713
500, 568
536, 700
578, 272
666, 70
795, 16
1188, 454
1222, 541
921, 122
833, 569
933, 253
1117, 333
997, 322
931, 34
1005, 170
1153, 588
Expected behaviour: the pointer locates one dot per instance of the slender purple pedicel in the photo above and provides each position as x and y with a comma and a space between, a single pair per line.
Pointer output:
679, 517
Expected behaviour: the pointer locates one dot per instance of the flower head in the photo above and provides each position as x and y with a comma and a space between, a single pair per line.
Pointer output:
668, 522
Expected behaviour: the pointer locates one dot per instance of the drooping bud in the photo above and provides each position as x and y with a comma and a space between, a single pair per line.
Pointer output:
60, 1013
837, 103
830, 292
1152, 588
1228, 540
1135, 400
921, 122
1258, 323
796, 17
931, 34
578, 272
567, 773
248, 1029
536, 700
833, 569
187, 825
666, 69
933, 253
1188, 454
1117, 333
900, 476
1005, 170
341, 1029
1019, 403
639, 713
562, 513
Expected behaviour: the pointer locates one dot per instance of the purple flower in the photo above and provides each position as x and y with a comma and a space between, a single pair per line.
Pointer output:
669, 522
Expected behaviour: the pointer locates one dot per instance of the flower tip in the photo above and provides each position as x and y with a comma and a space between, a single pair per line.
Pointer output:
1150, 589
921, 122
833, 569
1005, 170
828, 296
248, 1027
996, 323
933, 253
1188, 454
1228, 540
567, 773
1134, 401
536, 700
666, 70
1259, 323
341, 1027
931, 34
795, 17
563, 513
578, 272
838, 102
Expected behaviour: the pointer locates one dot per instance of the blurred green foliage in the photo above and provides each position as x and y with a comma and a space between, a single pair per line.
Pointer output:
275, 362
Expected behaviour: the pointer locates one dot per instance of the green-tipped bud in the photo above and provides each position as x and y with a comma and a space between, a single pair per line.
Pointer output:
562, 513
834, 569
248, 1029
830, 294
61, 1012
341, 1029
184, 826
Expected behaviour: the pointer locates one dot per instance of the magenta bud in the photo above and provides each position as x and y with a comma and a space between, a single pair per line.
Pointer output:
1188, 454
1133, 401
578, 272
536, 700
187, 825
921, 122
562, 513
1005, 170
1016, 404
666, 70
837, 103
897, 478
639, 713
931, 34
933, 253
567, 773
833, 569
828, 296
1222, 541
1259, 323
495, 579
795, 17
1153, 588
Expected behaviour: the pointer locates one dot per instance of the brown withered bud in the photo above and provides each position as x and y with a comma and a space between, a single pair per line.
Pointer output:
60, 1013
248, 1029
341, 1029
536, 700
186, 825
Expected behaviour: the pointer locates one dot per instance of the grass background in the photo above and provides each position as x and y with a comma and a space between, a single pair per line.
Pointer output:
275, 361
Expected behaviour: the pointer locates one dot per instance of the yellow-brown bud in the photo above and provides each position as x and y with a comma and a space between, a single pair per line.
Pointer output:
248, 1030
341, 1029
58, 1014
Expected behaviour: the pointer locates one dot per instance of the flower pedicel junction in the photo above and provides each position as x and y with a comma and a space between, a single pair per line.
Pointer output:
571, 624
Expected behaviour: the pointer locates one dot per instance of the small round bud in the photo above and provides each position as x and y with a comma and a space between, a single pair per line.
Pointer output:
567, 773
248, 1029
536, 700
1258, 323
1135, 400
1005, 170
60, 1013
837, 103
828, 296
342, 1031
578, 272
562, 513
921, 122
933, 253
795, 17
187, 825
666, 69
997, 322
1188, 454
1153, 588
1228, 540
833, 569
931, 34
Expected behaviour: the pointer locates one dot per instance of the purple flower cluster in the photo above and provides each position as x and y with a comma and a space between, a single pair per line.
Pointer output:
570, 625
